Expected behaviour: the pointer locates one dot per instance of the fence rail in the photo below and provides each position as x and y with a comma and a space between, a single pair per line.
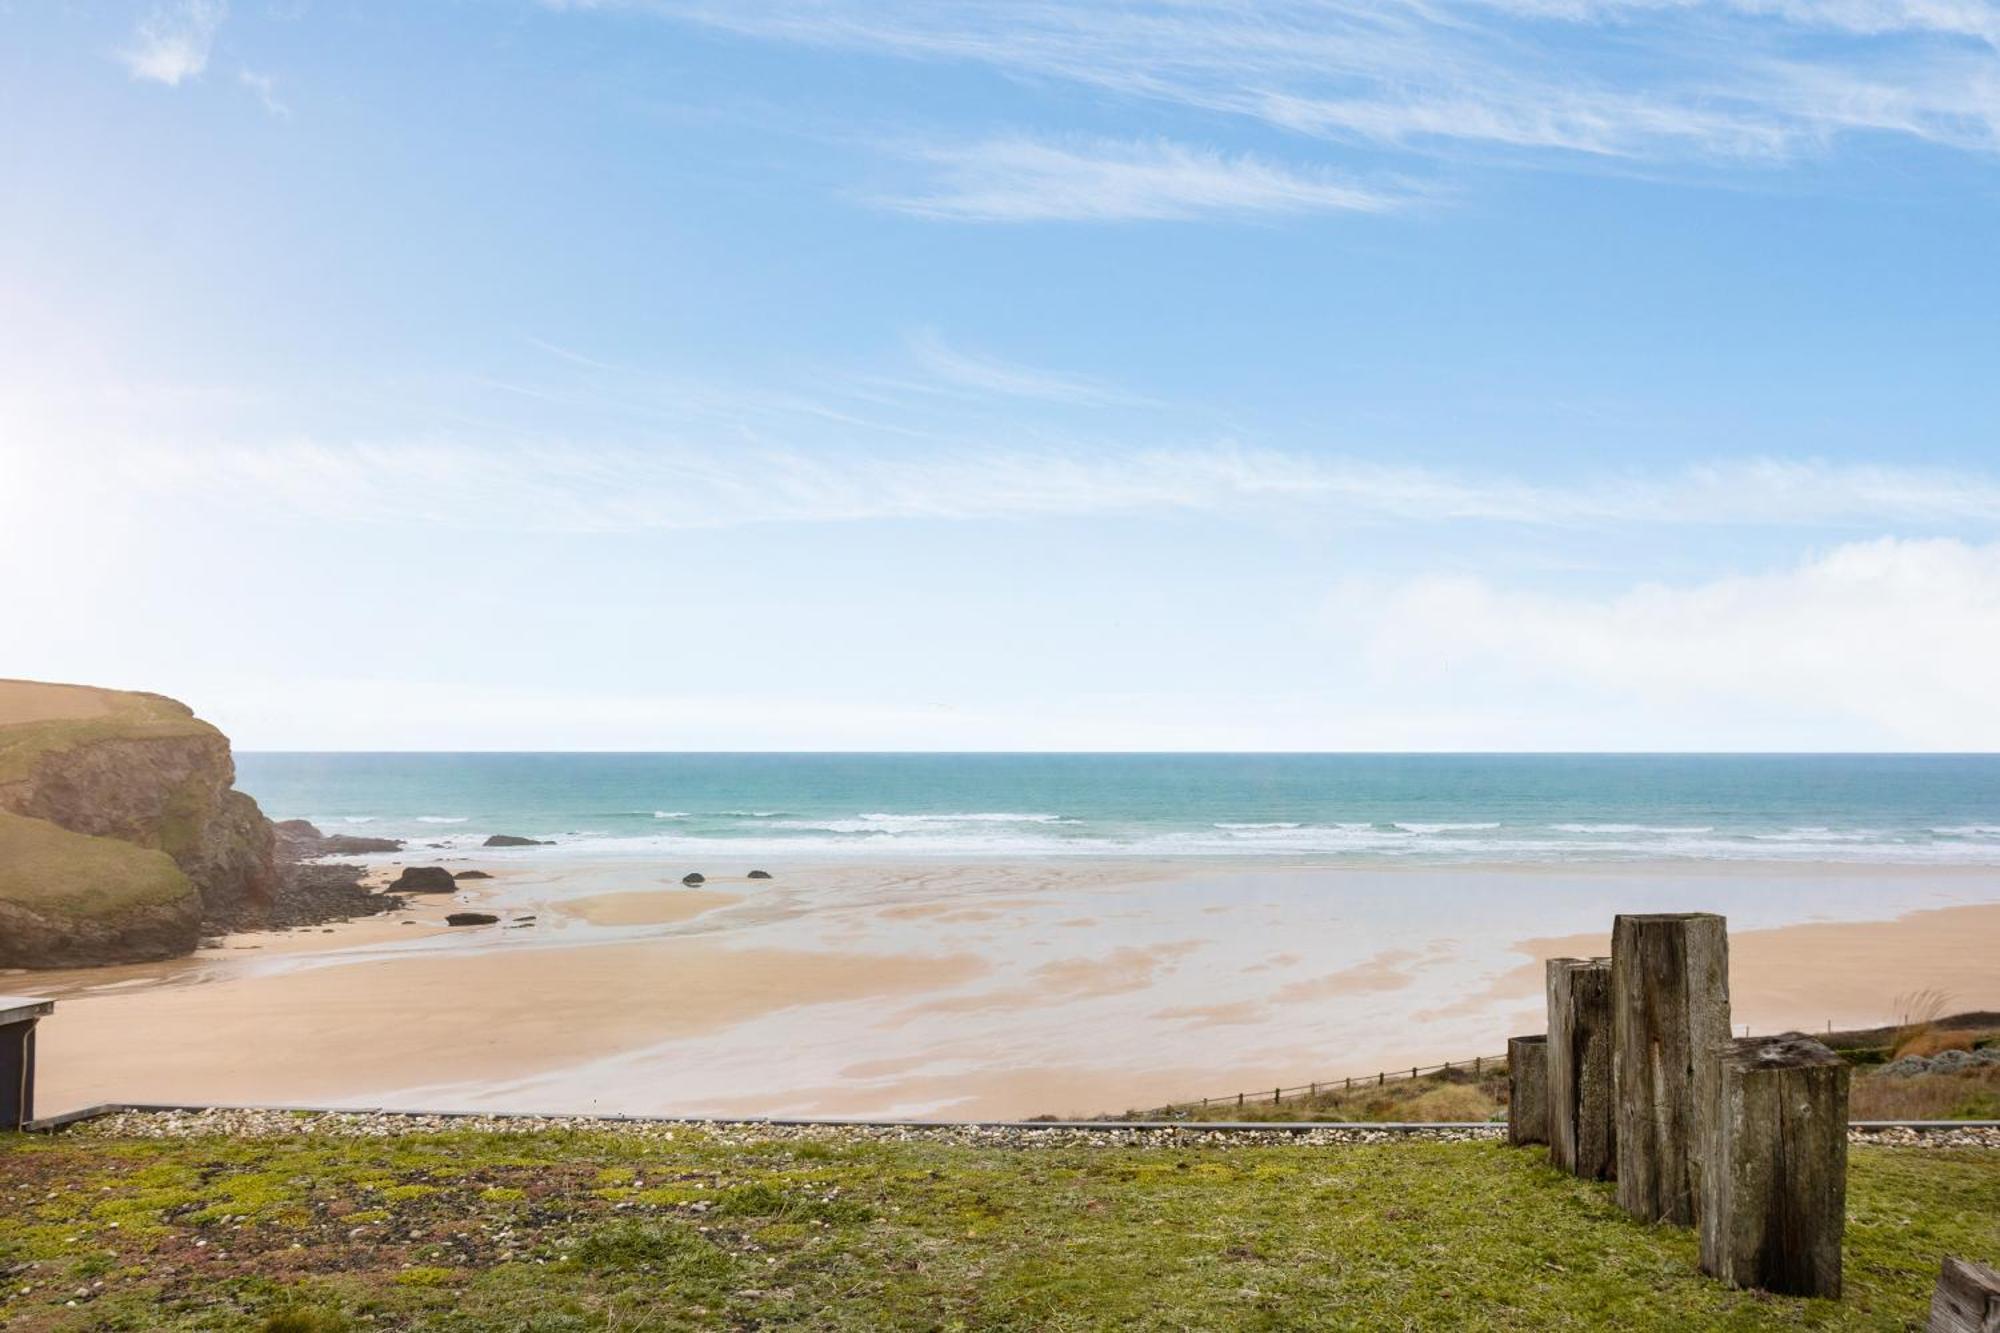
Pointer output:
1477, 1065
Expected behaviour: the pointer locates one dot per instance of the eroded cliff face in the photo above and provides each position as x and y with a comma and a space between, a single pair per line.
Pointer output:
101, 781
175, 794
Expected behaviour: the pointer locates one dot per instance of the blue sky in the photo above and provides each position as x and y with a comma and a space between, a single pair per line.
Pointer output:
1322, 374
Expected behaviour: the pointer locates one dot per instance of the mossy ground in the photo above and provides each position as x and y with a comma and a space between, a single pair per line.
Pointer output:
553, 1232
55, 872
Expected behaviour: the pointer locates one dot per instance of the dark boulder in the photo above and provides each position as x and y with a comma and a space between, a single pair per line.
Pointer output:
760, 874
425, 879
471, 919
510, 840
471, 874
694, 877
341, 844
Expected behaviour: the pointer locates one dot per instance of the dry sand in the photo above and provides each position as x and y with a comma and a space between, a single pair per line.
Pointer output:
315, 1034
974, 990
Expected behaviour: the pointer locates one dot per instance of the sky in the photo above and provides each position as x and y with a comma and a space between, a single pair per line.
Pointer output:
966, 375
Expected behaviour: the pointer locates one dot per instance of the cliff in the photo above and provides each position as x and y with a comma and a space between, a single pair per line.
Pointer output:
127, 836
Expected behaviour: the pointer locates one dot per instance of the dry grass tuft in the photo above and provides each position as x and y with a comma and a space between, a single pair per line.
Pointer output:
1917, 1013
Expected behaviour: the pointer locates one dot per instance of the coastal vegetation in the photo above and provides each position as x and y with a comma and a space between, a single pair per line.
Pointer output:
1887, 1084
312, 1226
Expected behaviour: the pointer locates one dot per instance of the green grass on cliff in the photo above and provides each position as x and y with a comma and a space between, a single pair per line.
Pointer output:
126, 714
568, 1232
54, 872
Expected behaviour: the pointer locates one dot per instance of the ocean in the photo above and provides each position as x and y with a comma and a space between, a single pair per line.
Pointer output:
1924, 809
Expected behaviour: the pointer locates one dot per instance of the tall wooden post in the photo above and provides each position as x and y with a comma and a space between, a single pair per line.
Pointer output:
1967, 1299
1774, 1201
1580, 1123
1669, 1021
18, 1016
1527, 1090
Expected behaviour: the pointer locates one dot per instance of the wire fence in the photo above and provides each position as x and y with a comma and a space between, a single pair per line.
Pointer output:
1476, 1066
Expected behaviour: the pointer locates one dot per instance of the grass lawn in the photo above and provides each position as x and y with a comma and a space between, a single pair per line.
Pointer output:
694, 1228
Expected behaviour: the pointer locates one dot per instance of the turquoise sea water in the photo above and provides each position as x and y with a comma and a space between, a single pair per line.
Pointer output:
1847, 808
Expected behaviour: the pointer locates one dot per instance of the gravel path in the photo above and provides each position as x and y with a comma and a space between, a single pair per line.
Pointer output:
368, 1124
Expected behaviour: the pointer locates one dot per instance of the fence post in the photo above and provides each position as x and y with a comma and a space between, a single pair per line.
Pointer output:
1775, 1188
1527, 1090
1239, 1099
18, 1016
1580, 1087
1967, 1299
1475, 1065
1669, 1021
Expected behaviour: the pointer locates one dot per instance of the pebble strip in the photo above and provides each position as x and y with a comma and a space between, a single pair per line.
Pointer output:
264, 1124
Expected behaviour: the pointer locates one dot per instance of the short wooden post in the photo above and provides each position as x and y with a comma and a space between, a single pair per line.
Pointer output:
1527, 1090
1579, 1060
1276, 1095
18, 1016
1669, 1020
1239, 1099
1774, 1199
1967, 1299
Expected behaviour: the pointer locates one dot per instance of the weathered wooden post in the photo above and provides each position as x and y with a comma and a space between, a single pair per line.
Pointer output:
18, 1016
1967, 1299
1774, 1192
1669, 1021
1527, 1090
1579, 1060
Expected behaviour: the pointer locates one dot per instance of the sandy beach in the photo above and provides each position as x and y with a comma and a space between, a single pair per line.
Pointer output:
978, 989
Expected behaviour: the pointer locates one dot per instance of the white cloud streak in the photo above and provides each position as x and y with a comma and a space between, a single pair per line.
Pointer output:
1658, 79
630, 488
982, 374
1026, 180
172, 43
1877, 644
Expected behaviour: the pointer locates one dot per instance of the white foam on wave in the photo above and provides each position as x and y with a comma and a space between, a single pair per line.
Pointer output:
1273, 824
670, 814
1969, 831
1633, 828
1409, 827
897, 825
442, 819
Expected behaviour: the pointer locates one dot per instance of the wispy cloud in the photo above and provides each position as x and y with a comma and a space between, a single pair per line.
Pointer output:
984, 374
172, 43
562, 487
1667, 79
1028, 180
266, 89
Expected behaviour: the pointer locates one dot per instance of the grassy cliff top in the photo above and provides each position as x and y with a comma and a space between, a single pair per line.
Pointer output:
54, 872
732, 1227
39, 716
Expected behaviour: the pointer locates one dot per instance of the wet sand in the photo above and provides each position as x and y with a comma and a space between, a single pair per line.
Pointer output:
968, 990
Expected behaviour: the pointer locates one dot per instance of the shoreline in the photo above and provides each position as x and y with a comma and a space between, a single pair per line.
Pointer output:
957, 990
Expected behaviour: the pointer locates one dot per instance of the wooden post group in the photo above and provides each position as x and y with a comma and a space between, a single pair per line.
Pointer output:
1638, 1080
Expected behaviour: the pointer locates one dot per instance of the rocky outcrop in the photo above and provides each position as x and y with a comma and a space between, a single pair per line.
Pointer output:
471, 919
424, 879
514, 840
139, 770
300, 840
